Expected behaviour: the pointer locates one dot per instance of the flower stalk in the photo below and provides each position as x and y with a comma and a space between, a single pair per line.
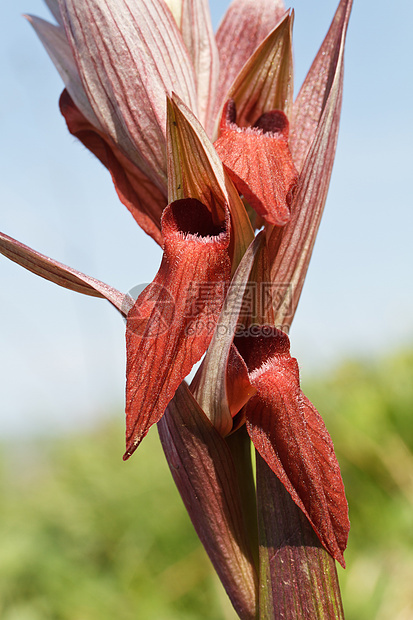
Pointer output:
300, 577
205, 146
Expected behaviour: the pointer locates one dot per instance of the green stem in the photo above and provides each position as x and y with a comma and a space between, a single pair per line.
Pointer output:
298, 577
239, 444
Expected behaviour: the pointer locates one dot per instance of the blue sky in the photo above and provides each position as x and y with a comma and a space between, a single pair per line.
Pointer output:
62, 355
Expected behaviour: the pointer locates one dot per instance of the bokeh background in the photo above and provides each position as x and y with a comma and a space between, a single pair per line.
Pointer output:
83, 534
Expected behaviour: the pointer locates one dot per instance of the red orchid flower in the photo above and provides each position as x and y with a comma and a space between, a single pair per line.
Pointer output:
161, 47
302, 444
204, 143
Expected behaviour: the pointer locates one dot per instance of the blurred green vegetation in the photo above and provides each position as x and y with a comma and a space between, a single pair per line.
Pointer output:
85, 536
368, 409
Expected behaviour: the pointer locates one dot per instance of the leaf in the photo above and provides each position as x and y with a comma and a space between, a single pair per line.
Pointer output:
195, 170
145, 201
62, 275
265, 82
130, 56
56, 45
245, 25
171, 323
204, 473
290, 249
315, 91
53, 6
298, 576
209, 385
200, 41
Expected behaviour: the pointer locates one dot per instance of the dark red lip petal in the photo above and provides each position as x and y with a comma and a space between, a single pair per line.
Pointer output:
172, 321
290, 435
139, 195
259, 163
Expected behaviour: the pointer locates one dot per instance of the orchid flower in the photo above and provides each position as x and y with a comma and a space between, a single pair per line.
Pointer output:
205, 144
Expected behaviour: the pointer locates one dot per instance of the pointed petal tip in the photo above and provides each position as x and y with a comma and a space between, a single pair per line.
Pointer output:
34, 21
132, 444
129, 453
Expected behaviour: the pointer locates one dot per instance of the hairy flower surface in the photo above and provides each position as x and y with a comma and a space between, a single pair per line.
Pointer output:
205, 144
